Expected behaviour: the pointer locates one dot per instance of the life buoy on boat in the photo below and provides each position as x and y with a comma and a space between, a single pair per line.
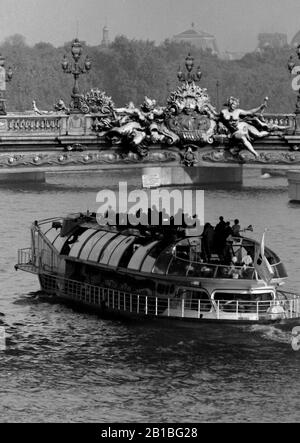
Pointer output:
276, 312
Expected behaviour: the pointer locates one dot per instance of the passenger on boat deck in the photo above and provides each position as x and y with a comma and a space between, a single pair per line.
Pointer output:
207, 241
233, 271
236, 228
246, 269
227, 243
228, 231
220, 239
247, 260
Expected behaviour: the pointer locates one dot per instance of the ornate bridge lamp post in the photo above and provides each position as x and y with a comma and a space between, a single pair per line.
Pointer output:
189, 76
295, 70
218, 97
5, 76
76, 70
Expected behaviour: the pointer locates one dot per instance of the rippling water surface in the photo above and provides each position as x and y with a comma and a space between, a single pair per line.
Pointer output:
62, 365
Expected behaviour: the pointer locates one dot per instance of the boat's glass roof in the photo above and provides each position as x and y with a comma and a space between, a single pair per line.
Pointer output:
80, 242
119, 251
145, 254
110, 247
89, 245
100, 246
52, 234
139, 255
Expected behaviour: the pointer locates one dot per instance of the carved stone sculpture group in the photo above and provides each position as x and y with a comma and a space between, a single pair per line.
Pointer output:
188, 121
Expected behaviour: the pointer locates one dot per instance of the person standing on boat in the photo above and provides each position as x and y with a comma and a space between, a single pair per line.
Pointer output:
219, 239
207, 241
236, 228
227, 242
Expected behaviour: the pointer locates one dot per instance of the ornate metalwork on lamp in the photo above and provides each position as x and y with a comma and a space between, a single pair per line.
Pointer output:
189, 76
76, 70
295, 70
5, 76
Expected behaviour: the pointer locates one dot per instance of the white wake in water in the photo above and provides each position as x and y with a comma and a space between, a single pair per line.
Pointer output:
273, 333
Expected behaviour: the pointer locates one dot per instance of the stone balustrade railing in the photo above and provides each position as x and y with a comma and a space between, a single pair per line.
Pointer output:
33, 125
288, 120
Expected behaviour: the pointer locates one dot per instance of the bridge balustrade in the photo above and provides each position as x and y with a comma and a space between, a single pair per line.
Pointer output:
33, 124
288, 120
61, 124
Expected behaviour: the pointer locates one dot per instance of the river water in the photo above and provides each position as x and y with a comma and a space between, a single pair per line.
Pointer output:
62, 365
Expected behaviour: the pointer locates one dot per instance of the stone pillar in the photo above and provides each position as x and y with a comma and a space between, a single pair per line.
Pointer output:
202, 177
76, 124
294, 185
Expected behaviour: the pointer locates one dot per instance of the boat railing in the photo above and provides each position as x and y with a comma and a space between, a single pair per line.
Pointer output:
116, 300
25, 260
47, 220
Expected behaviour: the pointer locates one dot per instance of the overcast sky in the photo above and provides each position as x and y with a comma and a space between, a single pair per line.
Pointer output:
235, 23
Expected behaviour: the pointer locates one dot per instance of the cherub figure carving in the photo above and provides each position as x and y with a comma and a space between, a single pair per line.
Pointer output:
60, 106
138, 125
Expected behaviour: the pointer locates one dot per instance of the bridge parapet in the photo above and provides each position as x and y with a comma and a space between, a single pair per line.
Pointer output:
94, 129
35, 125
288, 120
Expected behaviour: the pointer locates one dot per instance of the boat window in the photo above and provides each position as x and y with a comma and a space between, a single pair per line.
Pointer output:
80, 241
117, 254
162, 263
226, 296
191, 269
109, 249
139, 255
60, 244
271, 256
45, 227
280, 271
189, 249
183, 252
123, 263
100, 245
149, 261
69, 241
246, 273
52, 234
86, 250
178, 267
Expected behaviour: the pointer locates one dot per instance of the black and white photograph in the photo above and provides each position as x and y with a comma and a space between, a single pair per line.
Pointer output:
150, 214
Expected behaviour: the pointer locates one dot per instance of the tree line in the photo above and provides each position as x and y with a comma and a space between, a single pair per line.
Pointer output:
128, 70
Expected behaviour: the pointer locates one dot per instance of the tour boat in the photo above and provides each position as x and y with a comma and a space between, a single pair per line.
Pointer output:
154, 272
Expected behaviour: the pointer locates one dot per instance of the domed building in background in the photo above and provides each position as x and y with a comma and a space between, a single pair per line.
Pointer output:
199, 39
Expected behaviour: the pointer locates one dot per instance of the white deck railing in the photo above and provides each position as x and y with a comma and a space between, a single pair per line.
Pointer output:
135, 303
